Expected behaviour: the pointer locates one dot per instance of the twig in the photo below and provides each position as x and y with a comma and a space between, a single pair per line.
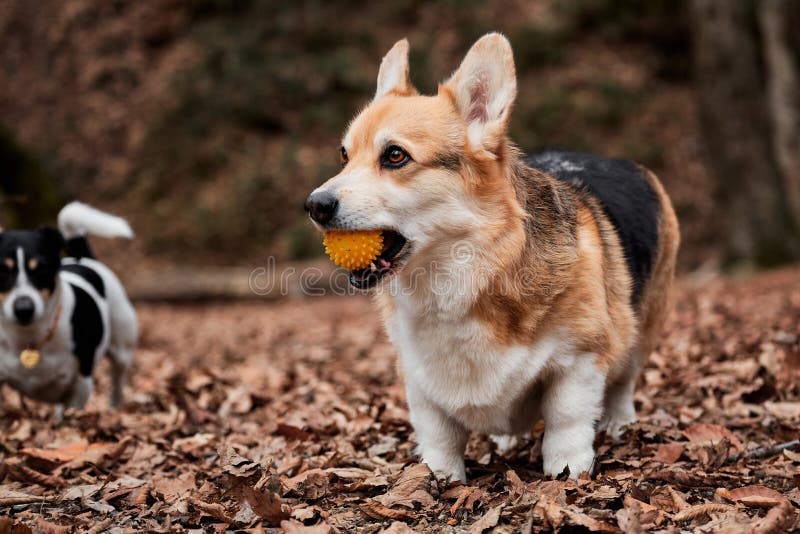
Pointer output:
16, 500
764, 452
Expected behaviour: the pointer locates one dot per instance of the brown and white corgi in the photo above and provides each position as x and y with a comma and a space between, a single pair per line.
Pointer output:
516, 288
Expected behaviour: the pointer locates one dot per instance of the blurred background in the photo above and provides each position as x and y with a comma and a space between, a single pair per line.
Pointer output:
207, 122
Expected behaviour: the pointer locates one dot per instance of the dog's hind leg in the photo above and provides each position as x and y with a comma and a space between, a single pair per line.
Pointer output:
121, 357
618, 408
124, 335
504, 443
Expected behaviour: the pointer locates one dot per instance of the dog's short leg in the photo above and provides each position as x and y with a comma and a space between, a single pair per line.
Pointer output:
571, 406
58, 413
441, 440
121, 358
81, 391
619, 410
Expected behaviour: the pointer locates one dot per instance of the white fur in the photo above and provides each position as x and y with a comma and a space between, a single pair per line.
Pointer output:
485, 86
23, 288
619, 410
393, 73
458, 378
56, 379
77, 219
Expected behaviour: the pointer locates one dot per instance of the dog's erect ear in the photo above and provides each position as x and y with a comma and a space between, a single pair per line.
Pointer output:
52, 238
484, 87
393, 75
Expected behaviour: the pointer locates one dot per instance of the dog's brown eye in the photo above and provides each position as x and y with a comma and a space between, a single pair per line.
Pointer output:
394, 157
343, 156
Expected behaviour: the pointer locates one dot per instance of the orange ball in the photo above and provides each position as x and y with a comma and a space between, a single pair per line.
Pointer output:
353, 249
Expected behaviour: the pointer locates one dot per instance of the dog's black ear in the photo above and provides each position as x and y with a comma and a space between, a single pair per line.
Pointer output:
52, 238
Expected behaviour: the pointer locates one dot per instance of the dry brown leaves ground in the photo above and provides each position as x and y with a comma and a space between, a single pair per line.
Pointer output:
290, 416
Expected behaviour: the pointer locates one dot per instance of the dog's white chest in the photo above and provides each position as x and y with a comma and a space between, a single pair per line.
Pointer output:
458, 366
47, 381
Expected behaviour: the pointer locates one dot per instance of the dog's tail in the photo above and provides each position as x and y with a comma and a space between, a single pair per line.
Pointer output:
77, 220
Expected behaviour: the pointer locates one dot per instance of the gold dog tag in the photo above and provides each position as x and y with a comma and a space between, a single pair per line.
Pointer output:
29, 358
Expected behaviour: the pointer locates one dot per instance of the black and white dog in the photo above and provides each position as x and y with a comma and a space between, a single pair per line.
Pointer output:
59, 316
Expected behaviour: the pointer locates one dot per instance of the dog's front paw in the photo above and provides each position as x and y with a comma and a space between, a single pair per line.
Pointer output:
449, 470
578, 462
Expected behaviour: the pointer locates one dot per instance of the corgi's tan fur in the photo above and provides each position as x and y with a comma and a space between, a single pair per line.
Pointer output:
511, 300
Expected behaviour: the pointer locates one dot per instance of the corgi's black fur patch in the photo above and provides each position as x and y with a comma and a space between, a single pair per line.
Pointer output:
88, 274
87, 329
627, 198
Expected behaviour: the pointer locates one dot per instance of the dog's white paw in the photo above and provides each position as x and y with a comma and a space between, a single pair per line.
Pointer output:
449, 471
577, 461
504, 443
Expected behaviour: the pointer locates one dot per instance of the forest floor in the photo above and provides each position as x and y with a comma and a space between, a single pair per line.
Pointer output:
290, 415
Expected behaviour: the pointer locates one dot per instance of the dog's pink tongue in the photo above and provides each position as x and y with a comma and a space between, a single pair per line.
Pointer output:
383, 264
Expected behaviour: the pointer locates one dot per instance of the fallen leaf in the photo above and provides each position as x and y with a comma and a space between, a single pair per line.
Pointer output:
398, 528
195, 445
668, 453
214, 510
239, 401
693, 512
350, 473
46, 527
704, 433
758, 496
488, 520
311, 484
783, 410
62, 454
293, 527
266, 505
376, 510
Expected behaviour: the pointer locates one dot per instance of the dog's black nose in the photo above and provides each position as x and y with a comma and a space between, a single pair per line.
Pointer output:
24, 308
321, 205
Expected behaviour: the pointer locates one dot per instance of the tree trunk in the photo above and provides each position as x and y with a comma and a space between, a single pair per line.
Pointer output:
742, 133
783, 91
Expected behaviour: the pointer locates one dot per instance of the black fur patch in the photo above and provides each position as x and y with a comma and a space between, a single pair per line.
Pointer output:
43, 245
626, 196
448, 161
87, 329
88, 274
78, 247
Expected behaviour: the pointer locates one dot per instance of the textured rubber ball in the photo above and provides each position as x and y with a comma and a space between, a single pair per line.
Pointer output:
353, 249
